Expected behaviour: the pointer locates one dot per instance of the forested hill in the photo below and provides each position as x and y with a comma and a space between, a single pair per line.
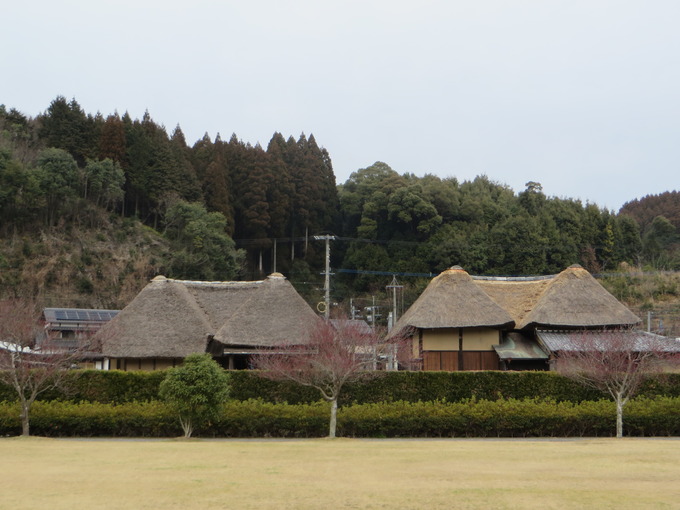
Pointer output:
229, 210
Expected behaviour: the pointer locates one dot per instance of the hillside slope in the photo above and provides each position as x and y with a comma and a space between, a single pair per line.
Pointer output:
71, 266
652, 296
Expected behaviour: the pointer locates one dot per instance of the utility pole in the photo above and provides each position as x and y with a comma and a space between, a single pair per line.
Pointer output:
394, 286
274, 257
327, 282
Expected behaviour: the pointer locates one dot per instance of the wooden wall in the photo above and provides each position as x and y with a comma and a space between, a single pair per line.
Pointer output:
453, 349
470, 360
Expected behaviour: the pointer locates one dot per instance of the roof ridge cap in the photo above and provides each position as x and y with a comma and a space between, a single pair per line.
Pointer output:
215, 283
515, 278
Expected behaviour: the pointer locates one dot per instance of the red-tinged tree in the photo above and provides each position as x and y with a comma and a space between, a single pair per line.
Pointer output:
336, 353
616, 362
112, 140
30, 362
216, 191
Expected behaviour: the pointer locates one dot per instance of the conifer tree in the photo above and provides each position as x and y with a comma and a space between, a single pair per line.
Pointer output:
216, 191
112, 140
203, 153
66, 126
187, 183
280, 189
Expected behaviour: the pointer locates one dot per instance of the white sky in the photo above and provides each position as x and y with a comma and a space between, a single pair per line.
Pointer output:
580, 95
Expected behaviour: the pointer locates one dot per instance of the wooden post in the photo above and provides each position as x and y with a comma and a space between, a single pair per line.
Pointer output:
460, 349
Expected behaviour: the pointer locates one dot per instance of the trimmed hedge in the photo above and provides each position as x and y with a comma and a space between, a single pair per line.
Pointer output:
116, 387
87, 419
104, 386
658, 416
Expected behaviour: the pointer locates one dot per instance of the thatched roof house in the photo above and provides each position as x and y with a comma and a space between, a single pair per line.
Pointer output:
464, 322
570, 299
454, 300
170, 319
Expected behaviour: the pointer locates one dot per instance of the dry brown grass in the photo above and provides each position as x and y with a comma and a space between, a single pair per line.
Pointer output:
343, 473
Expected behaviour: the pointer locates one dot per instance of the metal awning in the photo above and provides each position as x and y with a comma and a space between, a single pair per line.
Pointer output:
517, 346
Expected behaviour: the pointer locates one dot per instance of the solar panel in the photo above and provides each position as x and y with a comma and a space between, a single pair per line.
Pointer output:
79, 315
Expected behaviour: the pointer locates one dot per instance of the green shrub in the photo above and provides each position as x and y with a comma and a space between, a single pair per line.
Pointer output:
85, 419
256, 418
195, 391
117, 387
659, 416
108, 387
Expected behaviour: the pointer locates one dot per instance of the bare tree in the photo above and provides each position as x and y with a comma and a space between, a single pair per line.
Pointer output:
336, 352
31, 361
616, 362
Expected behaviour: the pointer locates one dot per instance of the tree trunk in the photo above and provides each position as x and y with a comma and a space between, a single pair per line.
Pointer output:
187, 426
334, 418
25, 424
619, 416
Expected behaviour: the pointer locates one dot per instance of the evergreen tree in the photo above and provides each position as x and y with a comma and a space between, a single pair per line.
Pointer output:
66, 126
186, 181
280, 189
59, 181
104, 182
203, 153
20, 196
201, 249
216, 191
112, 140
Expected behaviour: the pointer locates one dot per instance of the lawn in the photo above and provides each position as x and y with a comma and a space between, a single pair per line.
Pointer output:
343, 473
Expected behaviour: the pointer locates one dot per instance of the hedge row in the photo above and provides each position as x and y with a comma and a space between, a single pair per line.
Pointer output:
108, 387
658, 416
115, 387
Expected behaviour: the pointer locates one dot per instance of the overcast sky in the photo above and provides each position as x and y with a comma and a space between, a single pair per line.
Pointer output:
581, 96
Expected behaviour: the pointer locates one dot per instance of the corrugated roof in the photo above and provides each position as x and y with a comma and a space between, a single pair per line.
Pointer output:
556, 341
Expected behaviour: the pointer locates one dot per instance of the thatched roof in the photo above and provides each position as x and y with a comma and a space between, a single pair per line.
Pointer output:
453, 300
572, 298
275, 315
518, 297
175, 318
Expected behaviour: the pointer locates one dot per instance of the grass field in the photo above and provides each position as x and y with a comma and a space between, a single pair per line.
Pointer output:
344, 473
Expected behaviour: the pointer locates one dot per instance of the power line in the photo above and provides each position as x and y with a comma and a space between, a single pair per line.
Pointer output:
386, 273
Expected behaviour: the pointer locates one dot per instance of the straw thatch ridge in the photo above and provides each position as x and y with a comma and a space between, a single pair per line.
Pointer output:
175, 318
574, 298
453, 300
